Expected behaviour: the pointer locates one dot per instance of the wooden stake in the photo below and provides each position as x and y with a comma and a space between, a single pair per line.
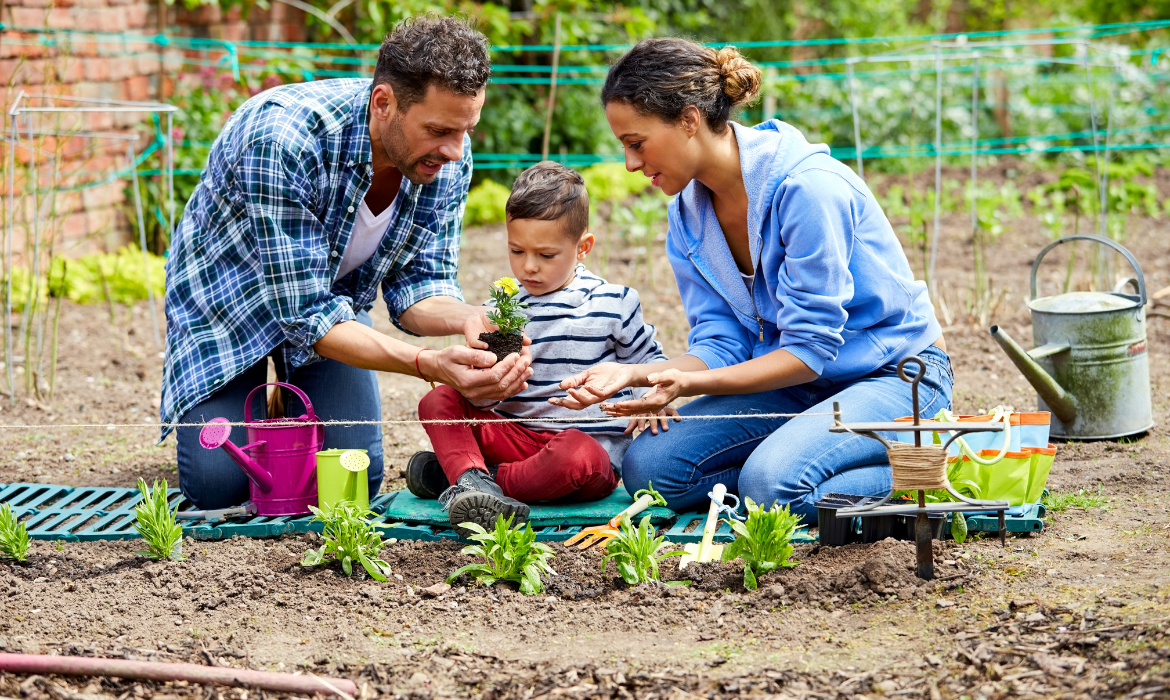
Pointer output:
552, 90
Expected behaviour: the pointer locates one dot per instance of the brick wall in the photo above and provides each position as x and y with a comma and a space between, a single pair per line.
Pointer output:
95, 218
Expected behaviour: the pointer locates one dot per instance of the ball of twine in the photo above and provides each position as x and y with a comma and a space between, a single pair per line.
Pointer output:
917, 467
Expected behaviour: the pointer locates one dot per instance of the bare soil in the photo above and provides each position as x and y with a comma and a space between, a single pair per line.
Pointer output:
1078, 611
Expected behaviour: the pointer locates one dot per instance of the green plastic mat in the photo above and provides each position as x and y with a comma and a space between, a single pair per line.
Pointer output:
406, 507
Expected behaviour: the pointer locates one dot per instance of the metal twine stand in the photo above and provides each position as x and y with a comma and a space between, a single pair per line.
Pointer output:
922, 531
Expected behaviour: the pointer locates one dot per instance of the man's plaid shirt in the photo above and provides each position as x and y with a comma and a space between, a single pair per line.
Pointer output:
253, 261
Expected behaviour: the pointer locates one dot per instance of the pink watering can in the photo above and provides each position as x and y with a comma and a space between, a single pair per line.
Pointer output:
283, 464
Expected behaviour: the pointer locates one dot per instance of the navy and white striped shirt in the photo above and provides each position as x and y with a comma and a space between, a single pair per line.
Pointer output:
588, 322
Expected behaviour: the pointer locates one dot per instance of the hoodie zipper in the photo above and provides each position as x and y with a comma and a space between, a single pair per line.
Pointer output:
752, 294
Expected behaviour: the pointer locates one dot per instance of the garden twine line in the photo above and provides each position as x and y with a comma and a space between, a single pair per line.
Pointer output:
403, 421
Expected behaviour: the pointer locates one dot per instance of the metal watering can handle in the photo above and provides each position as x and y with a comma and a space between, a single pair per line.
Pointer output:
300, 394
1141, 280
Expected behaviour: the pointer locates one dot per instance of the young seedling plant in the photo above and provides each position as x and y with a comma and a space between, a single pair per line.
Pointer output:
636, 552
763, 541
509, 554
351, 538
13, 535
156, 522
508, 318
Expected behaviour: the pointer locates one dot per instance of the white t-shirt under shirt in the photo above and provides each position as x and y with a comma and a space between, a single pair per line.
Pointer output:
368, 231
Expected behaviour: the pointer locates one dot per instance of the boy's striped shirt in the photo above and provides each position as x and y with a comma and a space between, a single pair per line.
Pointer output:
588, 322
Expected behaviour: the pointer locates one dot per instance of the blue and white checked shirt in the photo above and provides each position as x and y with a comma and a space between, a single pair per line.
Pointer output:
253, 261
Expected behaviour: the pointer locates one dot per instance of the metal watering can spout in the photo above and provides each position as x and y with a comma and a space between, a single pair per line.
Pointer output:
1053, 393
216, 434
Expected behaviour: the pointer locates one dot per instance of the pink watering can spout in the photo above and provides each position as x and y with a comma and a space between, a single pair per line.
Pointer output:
217, 433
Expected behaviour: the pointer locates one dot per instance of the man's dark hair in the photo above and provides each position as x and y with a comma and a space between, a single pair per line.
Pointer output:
549, 191
424, 51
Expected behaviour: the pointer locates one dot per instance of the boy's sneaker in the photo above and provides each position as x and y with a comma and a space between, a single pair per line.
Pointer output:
476, 498
424, 476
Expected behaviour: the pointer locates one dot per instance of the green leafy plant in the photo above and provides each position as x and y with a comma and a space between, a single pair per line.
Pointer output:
636, 552
507, 313
763, 541
351, 538
510, 554
155, 521
486, 203
13, 535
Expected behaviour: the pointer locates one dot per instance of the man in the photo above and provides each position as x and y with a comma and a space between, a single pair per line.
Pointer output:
313, 196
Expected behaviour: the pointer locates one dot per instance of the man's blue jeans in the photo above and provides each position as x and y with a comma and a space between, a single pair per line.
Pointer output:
210, 479
792, 461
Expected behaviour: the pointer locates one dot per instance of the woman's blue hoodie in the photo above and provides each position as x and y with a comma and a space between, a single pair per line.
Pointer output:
832, 284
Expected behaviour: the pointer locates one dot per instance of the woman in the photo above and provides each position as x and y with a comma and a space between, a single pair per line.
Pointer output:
796, 289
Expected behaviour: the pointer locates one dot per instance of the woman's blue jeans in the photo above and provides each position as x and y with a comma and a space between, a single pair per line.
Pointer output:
210, 479
793, 461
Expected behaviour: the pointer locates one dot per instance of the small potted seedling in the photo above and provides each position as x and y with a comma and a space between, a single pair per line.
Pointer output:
507, 317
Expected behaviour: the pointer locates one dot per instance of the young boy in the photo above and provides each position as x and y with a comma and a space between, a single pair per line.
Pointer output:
575, 320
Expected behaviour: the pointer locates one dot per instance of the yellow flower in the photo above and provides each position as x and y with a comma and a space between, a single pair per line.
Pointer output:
508, 284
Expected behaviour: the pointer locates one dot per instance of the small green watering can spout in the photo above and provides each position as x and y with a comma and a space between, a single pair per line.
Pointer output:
1053, 394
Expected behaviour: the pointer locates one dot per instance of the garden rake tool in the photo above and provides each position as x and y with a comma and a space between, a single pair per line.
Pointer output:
704, 551
599, 534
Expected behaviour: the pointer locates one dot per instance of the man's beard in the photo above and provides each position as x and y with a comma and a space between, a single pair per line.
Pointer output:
397, 149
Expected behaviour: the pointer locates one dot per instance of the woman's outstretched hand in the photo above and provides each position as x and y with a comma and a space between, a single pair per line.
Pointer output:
594, 385
654, 422
668, 386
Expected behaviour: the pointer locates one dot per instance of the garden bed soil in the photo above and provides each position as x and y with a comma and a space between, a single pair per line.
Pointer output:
1079, 610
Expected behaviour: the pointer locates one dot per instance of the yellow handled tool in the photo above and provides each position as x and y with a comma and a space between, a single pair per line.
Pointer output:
705, 551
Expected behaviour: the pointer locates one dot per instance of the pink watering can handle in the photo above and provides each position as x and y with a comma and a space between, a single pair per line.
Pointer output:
304, 399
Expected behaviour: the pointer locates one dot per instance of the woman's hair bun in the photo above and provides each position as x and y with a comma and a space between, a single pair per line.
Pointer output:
741, 80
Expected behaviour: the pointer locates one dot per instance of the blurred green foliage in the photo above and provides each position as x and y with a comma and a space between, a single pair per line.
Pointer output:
485, 204
96, 278
1021, 102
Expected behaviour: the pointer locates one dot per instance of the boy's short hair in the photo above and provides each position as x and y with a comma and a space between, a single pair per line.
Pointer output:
549, 191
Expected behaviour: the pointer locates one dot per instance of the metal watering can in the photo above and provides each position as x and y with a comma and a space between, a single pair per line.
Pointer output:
1089, 366
283, 464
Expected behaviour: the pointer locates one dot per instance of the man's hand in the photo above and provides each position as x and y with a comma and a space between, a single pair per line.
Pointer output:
652, 423
594, 385
668, 385
475, 373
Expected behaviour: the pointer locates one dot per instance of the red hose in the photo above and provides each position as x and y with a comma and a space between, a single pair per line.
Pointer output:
158, 671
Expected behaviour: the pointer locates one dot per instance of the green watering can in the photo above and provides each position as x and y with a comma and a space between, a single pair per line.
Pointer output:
341, 476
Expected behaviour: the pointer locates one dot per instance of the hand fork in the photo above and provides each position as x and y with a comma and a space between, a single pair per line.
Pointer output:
603, 533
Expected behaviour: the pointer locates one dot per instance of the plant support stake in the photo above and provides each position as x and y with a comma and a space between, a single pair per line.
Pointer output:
163, 672
1093, 126
552, 89
142, 243
856, 119
937, 168
974, 143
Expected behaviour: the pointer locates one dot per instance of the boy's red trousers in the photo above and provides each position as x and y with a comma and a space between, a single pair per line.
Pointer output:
568, 466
